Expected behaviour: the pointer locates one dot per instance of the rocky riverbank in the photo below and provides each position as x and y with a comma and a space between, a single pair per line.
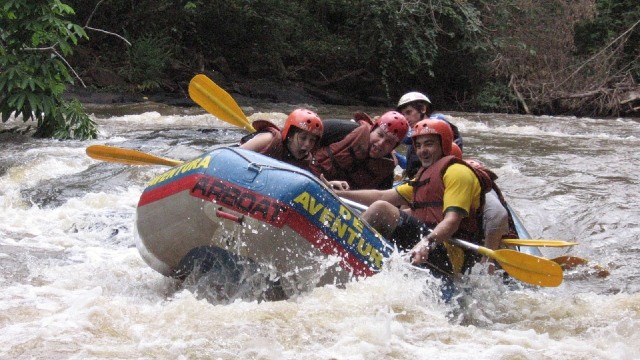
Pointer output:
262, 90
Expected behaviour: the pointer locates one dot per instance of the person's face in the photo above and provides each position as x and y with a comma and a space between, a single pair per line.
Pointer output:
428, 149
300, 144
412, 114
381, 143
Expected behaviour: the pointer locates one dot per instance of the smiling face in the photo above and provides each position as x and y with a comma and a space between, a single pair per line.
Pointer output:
381, 143
428, 149
300, 143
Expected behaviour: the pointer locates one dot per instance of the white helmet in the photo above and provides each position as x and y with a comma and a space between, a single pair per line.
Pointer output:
411, 97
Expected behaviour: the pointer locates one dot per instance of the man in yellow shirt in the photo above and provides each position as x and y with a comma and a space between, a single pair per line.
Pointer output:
444, 196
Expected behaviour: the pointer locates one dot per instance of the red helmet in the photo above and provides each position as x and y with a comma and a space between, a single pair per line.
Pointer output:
305, 120
435, 127
477, 164
394, 124
456, 151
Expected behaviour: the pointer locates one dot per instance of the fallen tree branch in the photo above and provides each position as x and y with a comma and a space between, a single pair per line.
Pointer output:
598, 53
512, 84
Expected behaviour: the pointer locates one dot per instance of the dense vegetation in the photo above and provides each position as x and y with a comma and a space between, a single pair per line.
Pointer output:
542, 56
34, 39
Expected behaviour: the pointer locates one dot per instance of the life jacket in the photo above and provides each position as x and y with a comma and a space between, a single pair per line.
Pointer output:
513, 232
427, 205
276, 148
348, 160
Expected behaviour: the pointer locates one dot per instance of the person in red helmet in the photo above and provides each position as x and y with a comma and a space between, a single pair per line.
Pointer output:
456, 151
357, 154
444, 201
293, 144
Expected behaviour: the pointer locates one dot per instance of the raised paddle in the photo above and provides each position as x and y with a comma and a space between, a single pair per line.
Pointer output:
127, 156
524, 267
217, 102
536, 242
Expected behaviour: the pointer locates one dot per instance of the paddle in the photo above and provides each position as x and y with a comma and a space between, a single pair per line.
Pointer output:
524, 267
536, 242
127, 156
569, 262
217, 102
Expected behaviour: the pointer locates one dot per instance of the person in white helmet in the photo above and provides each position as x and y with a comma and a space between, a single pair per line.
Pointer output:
416, 106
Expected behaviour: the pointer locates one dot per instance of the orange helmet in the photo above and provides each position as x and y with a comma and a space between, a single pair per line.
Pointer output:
305, 120
456, 151
435, 127
394, 124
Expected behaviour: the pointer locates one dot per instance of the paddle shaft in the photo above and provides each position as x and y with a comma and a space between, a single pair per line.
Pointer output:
538, 242
127, 156
524, 267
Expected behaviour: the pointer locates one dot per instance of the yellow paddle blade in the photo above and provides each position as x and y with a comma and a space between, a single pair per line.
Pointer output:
536, 242
217, 102
527, 268
524, 267
127, 156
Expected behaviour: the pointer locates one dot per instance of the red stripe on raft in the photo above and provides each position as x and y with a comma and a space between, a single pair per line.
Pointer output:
173, 187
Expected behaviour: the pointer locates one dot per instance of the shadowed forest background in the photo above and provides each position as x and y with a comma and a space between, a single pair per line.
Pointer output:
579, 57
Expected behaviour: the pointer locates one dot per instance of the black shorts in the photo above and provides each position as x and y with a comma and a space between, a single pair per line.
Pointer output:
409, 232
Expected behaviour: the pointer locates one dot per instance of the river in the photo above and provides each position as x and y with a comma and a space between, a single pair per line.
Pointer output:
73, 285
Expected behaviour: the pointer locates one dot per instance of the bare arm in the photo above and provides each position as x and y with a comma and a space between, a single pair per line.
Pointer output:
368, 196
496, 224
259, 142
495, 220
442, 232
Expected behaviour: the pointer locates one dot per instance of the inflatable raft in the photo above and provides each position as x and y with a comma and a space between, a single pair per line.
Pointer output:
259, 209
234, 208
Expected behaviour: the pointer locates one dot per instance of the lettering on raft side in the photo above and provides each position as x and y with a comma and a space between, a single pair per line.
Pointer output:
198, 163
346, 227
240, 199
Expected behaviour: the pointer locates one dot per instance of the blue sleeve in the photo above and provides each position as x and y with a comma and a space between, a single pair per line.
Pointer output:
402, 160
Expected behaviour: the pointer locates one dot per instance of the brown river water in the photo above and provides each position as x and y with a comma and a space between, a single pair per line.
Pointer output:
73, 285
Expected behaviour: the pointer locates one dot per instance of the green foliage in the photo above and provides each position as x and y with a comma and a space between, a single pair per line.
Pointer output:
392, 44
34, 39
148, 58
457, 51
612, 19
401, 40
496, 97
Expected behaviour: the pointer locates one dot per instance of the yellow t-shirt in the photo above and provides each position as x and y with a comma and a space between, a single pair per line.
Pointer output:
461, 190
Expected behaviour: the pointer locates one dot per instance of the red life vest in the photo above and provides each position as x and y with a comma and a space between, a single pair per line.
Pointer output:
428, 195
348, 160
